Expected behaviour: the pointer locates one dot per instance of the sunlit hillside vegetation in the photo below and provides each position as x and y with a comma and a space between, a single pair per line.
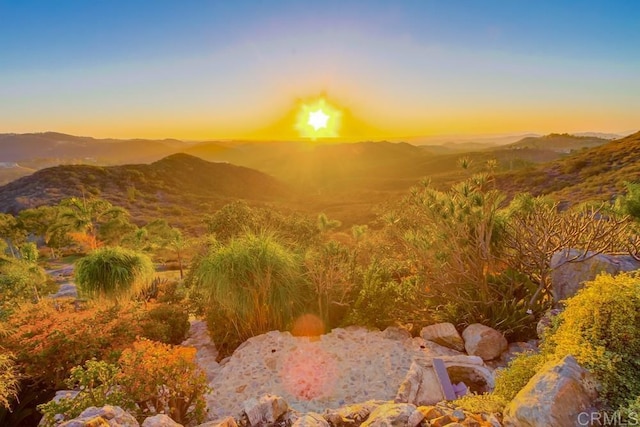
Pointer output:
403, 252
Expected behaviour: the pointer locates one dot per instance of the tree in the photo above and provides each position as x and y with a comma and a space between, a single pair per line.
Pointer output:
88, 215
11, 233
113, 273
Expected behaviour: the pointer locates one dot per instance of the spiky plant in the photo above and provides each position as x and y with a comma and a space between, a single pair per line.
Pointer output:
255, 285
114, 273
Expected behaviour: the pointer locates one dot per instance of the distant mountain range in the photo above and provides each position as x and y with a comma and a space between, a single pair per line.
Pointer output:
345, 181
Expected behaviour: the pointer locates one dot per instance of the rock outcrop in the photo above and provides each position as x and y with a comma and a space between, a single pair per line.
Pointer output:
483, 341
112, 416
572, 267
554, 397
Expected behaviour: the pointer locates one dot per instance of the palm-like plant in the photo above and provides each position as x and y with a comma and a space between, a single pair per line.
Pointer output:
114, 273
86, 215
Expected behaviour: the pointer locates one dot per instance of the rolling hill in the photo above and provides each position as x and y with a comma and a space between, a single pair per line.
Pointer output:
173, 186
596, 173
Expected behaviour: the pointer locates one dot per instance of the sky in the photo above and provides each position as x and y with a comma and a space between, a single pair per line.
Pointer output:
242, 69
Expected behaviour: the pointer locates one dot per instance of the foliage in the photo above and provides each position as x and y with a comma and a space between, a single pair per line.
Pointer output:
255, 285
166, 323
600, 327
161, 378
536, 230
330, 270
629, 204
238, 217
96, 385
388, 297
8, 379
486, 403
113, 273
513, 378
21, 281
29, 252
10, 232
89, 216
51, 337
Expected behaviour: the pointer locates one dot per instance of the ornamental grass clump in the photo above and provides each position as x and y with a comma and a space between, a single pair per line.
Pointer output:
254, 285
113, 273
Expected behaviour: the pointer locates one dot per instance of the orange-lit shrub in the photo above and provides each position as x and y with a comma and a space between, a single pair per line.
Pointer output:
161, 378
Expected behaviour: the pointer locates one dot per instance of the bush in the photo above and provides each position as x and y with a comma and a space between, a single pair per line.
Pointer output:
52, 337
113, 273
600, 327
21, 281
389, 296
166, 323
485, 403
161, 378
149, 378
255, 285
8, 380
97, 386
513, 378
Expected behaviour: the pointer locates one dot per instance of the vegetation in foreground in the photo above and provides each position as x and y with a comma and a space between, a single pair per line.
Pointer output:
462, 255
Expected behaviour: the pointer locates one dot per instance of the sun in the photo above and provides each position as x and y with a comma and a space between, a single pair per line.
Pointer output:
318, 119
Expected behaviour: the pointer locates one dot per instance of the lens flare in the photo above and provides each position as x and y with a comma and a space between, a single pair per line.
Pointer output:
318, 119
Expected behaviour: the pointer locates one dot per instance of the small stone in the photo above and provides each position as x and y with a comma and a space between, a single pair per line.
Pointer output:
223, 422
459, 415
160, 420
390, 415
430, 412
415, 418
311, 419
442, 421
267, 409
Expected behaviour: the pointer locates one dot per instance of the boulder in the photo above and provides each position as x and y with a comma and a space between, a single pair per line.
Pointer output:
570, 268
352, 415
554, 397
311, 419
111, 416
391, 415
444, 334
160, 420
267, 409
483, 341
223, 422
421, 386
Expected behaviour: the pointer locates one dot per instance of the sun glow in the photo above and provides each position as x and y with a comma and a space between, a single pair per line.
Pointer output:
318, 119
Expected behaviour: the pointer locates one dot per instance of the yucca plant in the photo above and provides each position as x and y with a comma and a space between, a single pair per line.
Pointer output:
114, 273
254, 283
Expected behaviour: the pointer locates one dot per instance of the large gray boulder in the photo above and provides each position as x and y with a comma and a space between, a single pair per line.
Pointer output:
483, 341
570, 268
112, 416
555, 397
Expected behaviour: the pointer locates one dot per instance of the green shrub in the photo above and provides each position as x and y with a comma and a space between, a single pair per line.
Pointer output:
486, 403
254, 284
513, 378
389, 296
114, 273
21, 281
600, 327
166, 323
97, 385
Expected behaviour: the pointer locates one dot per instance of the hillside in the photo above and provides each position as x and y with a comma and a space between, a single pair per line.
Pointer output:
37, 150
562, 143
593, 174
172, 186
